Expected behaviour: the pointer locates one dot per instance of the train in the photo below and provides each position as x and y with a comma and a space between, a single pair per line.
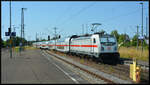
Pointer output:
99, 46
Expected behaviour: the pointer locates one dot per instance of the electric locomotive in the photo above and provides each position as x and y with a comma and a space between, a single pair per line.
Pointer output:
101, 47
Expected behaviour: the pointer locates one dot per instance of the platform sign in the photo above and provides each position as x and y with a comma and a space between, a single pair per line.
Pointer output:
13, 34
7, 33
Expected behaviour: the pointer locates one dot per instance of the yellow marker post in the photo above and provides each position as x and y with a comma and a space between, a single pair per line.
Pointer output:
135, 72
134, 69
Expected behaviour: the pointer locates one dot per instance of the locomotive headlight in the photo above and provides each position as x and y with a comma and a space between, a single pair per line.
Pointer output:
102, 48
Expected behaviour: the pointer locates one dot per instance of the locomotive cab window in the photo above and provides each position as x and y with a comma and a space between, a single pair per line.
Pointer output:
94, 41
108, 41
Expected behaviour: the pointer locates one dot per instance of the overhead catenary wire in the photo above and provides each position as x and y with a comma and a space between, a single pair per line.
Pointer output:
59, 18
71, 17
83, 9
116, 17
62, 15
77, 14
80, 11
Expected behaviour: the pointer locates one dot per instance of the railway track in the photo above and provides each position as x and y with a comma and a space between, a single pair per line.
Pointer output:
143, 65
120, 71
85, 70
106, 80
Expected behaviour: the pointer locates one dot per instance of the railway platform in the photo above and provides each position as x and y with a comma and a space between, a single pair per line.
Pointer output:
31, 67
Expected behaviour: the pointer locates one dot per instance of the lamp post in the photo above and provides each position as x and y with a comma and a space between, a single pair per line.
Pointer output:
10, 33
142, 25
55, 35
22, 27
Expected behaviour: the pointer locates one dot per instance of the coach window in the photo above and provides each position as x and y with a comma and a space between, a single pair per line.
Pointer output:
94, 41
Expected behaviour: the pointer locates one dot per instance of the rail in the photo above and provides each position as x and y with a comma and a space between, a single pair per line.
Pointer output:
108, 80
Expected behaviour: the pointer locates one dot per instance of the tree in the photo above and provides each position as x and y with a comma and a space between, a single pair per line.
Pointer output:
43, 40
125, 39
2, 43
16, 41
115, 33
134, 40
121, 38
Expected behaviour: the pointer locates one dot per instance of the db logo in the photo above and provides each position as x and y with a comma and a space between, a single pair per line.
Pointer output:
109, 48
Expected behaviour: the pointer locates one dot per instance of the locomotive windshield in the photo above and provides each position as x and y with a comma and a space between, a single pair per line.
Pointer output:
108, 41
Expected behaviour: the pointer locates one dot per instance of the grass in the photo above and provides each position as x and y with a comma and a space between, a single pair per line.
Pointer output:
111, 69
132, 52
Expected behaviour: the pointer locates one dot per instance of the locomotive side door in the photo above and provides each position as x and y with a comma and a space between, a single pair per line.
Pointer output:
93, 43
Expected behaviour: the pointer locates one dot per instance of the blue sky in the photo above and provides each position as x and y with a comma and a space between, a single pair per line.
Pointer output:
68, 16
